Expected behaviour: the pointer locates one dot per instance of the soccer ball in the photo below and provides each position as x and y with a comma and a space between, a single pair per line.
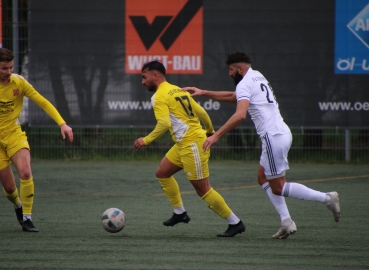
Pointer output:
113, 220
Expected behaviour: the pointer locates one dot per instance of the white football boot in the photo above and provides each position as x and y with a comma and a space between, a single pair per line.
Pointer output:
333, 203
287, 228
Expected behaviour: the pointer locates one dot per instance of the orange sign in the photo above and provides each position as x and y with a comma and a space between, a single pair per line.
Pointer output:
169, 31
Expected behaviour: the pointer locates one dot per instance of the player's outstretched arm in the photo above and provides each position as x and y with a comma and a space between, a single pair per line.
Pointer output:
233, 122
66, 131
225, 96
194, 91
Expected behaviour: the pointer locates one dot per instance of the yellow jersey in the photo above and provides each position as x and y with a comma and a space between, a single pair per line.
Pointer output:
11, 103
177, 111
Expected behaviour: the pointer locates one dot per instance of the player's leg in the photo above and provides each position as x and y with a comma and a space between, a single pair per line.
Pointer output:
21, 160
19, 153
302, 192
8, 181
9, 186
195, 165
277, 201
217, 203
273, 164
287, 225
279, 185
168, 166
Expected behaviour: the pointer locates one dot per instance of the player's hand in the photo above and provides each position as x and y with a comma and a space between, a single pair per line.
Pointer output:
66, 131
139, 143
195, 91
209, 142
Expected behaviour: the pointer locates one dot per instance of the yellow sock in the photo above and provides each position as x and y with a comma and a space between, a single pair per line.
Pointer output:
171, 189
27, 190
13, 197
217, 203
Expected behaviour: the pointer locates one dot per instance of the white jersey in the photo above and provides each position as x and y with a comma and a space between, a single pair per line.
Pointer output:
263, 108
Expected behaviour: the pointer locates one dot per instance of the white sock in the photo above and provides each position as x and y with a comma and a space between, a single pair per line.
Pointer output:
301, 192
278, 202
25, 217
179, 210
232, 219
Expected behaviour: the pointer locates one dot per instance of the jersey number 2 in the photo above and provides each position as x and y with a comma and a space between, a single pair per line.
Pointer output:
266, 89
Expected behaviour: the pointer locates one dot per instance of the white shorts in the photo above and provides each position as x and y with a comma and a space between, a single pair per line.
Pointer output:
274, 154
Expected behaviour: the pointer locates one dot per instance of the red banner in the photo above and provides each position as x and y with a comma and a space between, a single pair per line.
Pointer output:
169, 31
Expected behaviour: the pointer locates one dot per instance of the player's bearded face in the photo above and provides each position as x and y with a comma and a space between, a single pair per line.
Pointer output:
237, 77
148, 81
150, 85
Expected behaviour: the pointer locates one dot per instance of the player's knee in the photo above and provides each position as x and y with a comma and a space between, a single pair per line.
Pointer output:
262, 180
9, 187
277, 184
200, 191
160, 173
277, 191
25, 174
201, 186
261, 176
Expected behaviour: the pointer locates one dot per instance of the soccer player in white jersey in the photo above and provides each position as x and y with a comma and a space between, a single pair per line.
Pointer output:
178, 112
254, 95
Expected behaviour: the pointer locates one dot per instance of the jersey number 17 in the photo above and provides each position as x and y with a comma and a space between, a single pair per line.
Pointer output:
186, 104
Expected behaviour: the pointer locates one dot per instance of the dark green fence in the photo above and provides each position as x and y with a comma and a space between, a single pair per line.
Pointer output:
309, 145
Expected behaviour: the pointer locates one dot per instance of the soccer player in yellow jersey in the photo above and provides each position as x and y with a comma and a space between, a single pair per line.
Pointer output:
177, 112
13, 142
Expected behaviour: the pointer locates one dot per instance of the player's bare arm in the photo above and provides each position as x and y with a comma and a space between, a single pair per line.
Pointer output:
194, 91
139, 143
232, 123
225, 96
66, 131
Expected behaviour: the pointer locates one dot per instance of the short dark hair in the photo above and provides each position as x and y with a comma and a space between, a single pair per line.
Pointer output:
6, 55
238, 57
154, 65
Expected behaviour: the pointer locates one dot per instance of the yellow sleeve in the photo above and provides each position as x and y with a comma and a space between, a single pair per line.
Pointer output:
43, 103
204, 117
161, 127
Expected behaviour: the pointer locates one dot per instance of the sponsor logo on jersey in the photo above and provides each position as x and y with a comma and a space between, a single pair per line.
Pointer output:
7, 107
168, 31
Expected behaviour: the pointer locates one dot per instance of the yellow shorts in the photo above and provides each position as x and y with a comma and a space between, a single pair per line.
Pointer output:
191, 158
11, 144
